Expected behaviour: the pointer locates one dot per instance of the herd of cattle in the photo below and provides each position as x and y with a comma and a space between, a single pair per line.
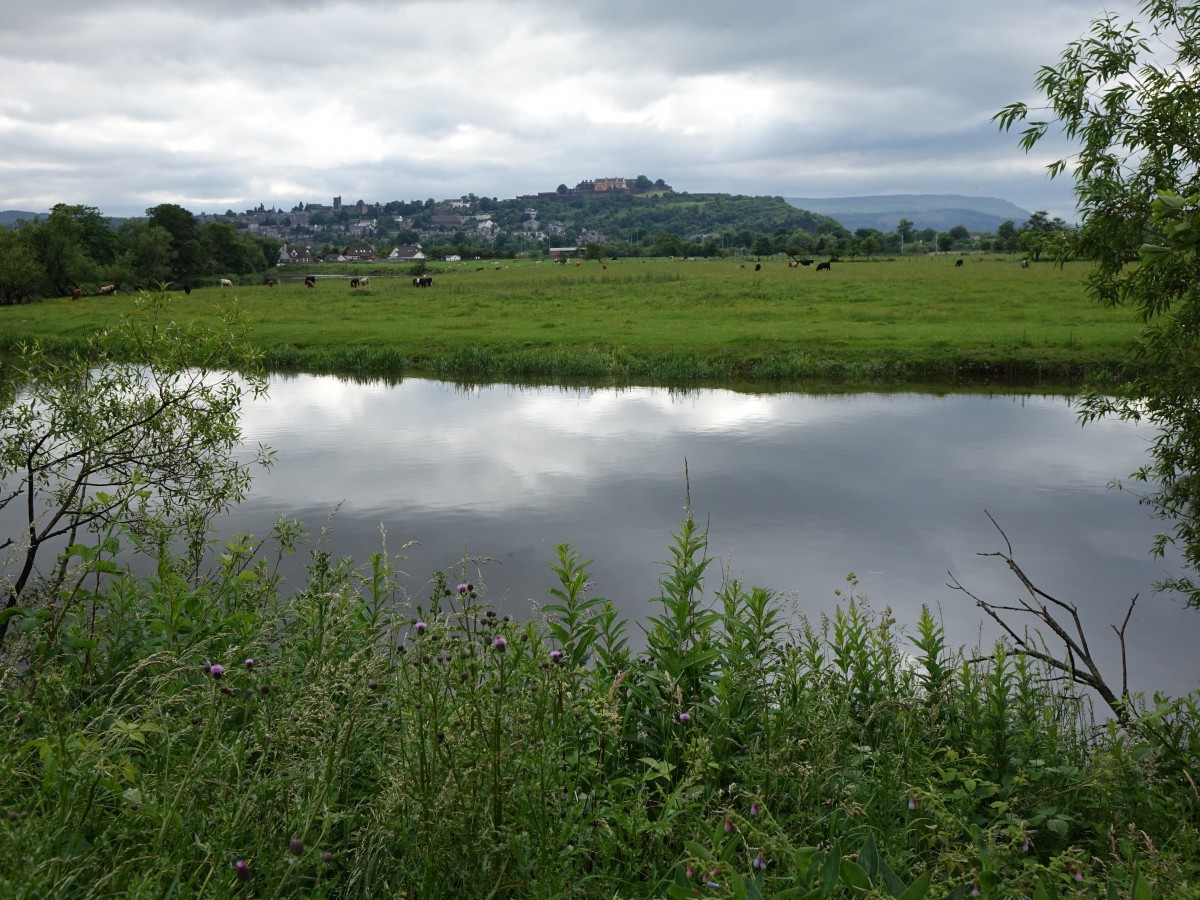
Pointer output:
310, 281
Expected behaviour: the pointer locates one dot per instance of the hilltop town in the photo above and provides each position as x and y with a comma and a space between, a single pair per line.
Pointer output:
398, 231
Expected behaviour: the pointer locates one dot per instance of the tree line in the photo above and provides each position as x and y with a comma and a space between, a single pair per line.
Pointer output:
76, 248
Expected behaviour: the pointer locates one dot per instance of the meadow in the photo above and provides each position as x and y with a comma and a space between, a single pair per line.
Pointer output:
660, 321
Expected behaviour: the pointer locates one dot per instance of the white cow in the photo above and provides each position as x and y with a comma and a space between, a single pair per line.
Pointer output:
225, 282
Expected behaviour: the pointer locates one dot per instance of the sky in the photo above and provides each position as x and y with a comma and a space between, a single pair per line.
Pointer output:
125, 104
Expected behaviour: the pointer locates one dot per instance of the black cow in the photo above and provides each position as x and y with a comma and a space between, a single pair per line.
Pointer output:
423, 281
187, 288
758, 267
310, 281
353, 282
957, 263
824, 267
806, 263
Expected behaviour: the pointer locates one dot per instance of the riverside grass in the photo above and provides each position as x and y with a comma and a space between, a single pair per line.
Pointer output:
221, 735
660, 322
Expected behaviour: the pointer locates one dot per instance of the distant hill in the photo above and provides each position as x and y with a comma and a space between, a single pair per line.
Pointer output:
10, 217
940, 211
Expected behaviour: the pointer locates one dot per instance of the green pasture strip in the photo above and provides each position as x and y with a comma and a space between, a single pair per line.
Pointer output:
661, 321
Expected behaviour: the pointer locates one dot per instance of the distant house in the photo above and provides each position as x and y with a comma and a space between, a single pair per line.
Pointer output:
295, 253
446, 221
358, 253
406, 254
454, 257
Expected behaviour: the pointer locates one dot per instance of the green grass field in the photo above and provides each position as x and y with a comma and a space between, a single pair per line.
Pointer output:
662, 321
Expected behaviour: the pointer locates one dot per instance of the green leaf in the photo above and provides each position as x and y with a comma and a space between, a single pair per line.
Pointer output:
854, 875
918, 889
1141, 887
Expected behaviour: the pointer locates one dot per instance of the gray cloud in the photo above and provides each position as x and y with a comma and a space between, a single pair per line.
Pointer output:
123, 104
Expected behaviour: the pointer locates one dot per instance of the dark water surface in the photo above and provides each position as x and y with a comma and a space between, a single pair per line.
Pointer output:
798, 491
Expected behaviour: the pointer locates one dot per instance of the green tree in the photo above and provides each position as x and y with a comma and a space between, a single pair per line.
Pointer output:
96, 451
58, 245
145, 252
187, 256
20, 273
905, 228
1127, 96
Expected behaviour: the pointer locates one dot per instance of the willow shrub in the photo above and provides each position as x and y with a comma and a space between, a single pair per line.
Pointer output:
218, 735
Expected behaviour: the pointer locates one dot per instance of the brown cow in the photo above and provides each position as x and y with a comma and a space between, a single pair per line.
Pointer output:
77, 294
108, 289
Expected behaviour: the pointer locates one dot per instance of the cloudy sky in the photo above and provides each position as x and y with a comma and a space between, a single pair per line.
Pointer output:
124, 104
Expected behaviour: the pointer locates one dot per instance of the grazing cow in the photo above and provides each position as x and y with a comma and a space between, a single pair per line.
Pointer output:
77, 294
353, 282
806, 263
793, 264
958, 263
108, 290
310, 281
270, 284
225, 282
364, 281
758, 267
187, 288
824, 267
140, 288
423, 281
1024, 264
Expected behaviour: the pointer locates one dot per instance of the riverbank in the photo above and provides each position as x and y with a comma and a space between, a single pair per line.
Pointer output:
666, 322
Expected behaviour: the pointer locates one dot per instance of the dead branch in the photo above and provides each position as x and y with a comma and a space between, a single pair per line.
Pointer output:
1062, 620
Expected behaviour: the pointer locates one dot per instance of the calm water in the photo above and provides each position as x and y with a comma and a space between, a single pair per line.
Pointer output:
797, 490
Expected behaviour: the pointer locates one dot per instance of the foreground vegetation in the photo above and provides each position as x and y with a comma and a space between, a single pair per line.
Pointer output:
659, 321
224, 734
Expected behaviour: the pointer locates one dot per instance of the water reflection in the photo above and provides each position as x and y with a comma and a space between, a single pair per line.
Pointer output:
798, 490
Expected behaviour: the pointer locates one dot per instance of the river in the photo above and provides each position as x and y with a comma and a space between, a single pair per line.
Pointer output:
796, 491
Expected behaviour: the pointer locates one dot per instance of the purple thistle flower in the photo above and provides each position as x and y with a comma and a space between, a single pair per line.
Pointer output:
684, 718
755, 809
241, 868
759, 862
463, 588
326, 856
420, 626
296, 847
500, 644
249, 663
975, 889
1025, 845
216, 670
556, 656
1077, 874
912, 802
728, 826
